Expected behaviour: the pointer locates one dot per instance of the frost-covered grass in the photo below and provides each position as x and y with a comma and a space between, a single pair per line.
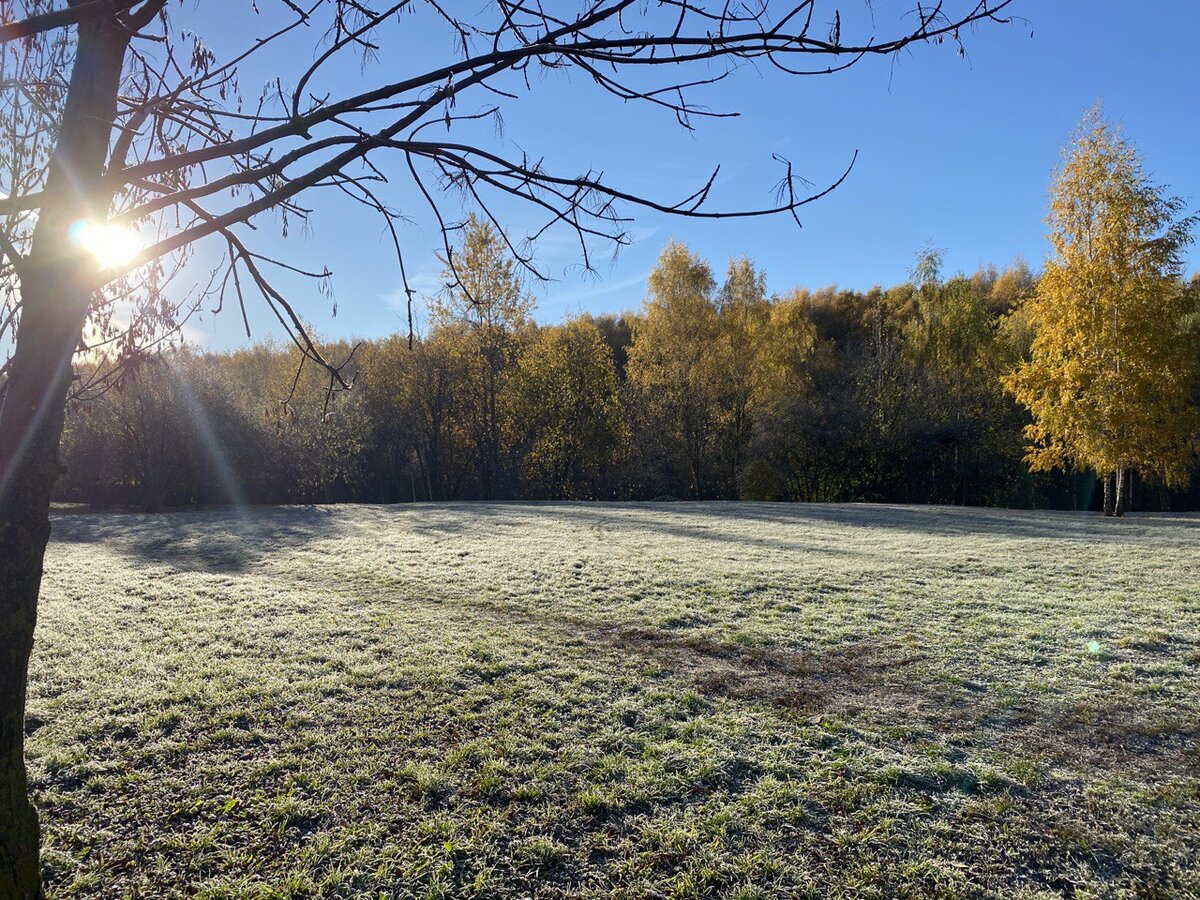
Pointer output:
724, 700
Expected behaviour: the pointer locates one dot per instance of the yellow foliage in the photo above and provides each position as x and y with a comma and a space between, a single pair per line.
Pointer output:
1112, 366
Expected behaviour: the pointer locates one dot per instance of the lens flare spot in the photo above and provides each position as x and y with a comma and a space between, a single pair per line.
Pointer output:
110, 245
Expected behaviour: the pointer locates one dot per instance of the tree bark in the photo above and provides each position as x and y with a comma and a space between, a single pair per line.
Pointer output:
57, 284
30, 426
1119, 502
1108, 493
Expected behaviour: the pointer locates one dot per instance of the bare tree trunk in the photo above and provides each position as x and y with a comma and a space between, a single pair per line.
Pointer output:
56, 288
1108, 493
1119, 502
30, 426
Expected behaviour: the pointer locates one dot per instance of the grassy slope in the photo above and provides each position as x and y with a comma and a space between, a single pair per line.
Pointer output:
645, 700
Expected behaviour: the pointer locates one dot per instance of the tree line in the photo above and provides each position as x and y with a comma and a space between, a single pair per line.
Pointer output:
129, 142
715, 389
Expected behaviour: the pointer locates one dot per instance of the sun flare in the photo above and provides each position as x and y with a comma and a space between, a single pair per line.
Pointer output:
110, 245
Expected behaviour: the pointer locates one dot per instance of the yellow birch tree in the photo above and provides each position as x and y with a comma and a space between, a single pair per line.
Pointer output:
1112, 367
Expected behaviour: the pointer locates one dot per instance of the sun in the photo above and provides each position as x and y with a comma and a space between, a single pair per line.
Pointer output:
110, 245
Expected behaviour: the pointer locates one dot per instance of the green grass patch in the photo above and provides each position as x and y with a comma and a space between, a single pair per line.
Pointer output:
569, 700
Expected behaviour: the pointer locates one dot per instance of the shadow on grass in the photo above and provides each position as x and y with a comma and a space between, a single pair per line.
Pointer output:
928, 520
220, 539
234, 538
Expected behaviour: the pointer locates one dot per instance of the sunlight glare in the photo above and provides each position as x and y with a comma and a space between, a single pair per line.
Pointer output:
110, 245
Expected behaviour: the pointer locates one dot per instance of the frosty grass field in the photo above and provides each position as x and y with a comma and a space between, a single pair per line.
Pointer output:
654, 700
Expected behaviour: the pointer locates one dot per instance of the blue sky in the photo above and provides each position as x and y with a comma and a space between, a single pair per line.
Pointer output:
954, 151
